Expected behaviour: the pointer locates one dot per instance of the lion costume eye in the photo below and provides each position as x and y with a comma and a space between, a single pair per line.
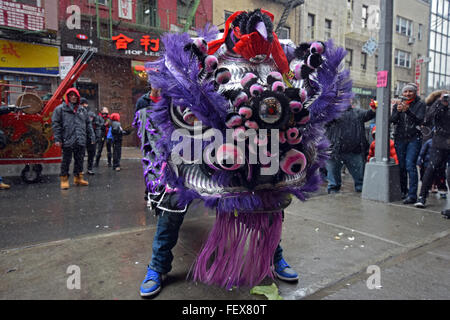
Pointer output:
230, 157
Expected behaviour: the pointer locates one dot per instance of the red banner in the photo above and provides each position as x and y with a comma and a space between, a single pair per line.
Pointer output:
21, 16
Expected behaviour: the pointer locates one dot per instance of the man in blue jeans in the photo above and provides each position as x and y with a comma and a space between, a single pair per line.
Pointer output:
348, 146
407, 115
166, 237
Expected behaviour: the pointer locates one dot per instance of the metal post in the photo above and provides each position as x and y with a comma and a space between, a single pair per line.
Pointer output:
381, 177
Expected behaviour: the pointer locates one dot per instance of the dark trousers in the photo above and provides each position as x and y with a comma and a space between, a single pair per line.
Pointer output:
100, 145
117, 152
90, 148
438, 158
77, 152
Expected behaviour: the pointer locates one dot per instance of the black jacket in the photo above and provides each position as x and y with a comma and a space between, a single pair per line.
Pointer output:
143, 102
407, 124
440, 116
71, 128
97, 123
347, 133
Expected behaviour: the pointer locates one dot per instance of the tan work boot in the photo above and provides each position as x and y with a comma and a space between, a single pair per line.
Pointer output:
4, 186
79, 181
65, 182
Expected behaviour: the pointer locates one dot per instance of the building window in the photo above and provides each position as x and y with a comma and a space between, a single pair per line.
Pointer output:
183, 8
404, 26
100, 2
420, 32
349, 58
147, 13
402, 59
284, 33
328, 25
363, 61
311, 24
364, 16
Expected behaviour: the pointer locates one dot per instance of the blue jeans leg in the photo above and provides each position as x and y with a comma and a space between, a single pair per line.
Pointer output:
355, 165
334, 167
400, 149
412, 153
166, 238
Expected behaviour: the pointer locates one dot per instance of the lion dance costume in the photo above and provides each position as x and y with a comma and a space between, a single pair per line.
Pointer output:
245, 80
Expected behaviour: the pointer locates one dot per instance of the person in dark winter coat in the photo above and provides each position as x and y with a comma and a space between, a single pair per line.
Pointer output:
407, 116
440, 145
71, 127
117, 133
423, 162
348, 147
91, 145
106, 122
143, 107
153, 96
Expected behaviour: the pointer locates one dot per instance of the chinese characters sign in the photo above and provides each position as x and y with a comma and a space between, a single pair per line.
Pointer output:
21, 16
147, 43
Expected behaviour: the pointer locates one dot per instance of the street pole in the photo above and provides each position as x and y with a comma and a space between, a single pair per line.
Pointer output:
381, 176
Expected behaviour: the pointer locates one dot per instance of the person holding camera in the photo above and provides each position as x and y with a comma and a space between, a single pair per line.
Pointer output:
440, 145
407, 116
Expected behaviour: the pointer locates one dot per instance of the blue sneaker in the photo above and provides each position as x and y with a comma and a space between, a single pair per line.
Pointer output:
284, 272
151, 284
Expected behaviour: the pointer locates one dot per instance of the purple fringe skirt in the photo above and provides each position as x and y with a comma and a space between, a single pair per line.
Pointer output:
239, 249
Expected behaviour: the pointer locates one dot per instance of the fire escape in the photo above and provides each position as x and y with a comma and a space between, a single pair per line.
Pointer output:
289, 5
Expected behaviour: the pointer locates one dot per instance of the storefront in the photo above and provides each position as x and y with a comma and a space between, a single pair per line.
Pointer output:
114, 78
27, 67
363, 96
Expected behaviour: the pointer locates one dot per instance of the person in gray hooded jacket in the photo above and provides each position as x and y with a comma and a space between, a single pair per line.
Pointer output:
71, 126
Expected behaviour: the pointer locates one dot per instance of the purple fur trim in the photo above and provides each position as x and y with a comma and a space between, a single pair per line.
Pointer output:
232, 265
177, 77
209, 32
336, 87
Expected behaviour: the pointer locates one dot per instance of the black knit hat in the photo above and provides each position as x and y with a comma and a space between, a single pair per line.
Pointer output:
83, 101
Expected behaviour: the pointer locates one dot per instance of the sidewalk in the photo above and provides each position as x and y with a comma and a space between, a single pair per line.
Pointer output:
330, 240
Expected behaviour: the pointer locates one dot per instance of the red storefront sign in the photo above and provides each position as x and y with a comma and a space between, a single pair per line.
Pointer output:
146, 42
21, 16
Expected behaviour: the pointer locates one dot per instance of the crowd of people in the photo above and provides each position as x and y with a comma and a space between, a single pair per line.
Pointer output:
413, 151
77, 130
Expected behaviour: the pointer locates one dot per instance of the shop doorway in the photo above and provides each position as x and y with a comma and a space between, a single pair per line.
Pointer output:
90, 92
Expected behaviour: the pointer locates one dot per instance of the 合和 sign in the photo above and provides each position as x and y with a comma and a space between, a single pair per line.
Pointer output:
149, 45
21, 16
